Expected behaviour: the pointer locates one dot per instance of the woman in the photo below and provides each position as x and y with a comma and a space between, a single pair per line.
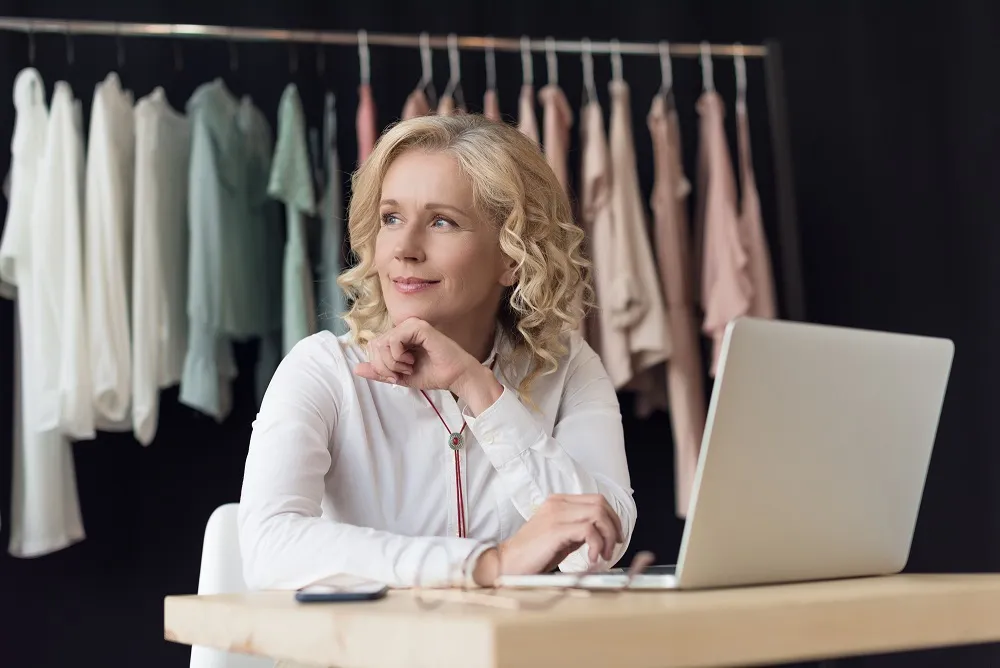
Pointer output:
462, 429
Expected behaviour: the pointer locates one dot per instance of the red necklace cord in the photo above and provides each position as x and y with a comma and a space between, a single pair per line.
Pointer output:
459, 498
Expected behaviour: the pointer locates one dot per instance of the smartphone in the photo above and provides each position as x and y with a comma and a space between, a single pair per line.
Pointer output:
326, 593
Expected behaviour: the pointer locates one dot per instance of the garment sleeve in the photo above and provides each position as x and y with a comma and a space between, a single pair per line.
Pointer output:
202, 375
106, 301
284, 539
585, 454
76, 397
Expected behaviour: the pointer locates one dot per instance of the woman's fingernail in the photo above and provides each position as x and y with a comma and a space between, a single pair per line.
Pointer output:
392, 379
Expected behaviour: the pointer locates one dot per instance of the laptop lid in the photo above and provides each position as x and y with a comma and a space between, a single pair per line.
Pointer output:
815, 454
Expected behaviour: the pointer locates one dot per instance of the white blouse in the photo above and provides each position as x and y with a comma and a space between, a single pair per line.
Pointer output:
347, 476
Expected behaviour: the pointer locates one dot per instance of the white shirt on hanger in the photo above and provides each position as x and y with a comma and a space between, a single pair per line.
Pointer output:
349, 476
108, 239
41, 255
159, 252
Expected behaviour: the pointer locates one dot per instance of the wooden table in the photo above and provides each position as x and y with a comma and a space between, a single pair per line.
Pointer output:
746, 626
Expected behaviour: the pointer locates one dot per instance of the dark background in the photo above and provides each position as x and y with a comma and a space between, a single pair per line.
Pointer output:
894, 128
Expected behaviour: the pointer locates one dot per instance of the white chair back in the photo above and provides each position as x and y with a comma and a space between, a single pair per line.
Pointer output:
222, 573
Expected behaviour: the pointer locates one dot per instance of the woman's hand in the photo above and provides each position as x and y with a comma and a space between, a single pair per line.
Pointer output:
415, 354
557, 529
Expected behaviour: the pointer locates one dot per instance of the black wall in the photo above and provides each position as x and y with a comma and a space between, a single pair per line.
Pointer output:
896, 146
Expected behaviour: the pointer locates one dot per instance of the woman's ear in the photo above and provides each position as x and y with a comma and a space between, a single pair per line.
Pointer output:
508, 277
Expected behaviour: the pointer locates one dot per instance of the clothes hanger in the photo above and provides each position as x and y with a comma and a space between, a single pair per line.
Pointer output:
739, 62
491, 66
551, 61
364, 58
707, 74
454, 87
667, 74
617, 73
426, 83
527, 63
587, 60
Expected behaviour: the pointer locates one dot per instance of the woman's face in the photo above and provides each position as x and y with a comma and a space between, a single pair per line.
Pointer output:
437, 258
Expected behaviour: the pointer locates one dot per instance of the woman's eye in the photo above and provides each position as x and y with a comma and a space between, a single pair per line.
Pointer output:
389, 219
443, 222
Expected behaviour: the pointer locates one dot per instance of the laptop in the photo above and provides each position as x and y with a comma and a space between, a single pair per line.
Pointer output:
813, 460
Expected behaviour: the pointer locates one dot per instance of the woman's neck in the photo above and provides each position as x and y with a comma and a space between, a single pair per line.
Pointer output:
476, 339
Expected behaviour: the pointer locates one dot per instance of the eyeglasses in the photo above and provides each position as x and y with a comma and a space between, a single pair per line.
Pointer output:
542, 598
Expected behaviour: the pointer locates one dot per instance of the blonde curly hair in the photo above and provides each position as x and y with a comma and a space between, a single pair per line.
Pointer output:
515, 189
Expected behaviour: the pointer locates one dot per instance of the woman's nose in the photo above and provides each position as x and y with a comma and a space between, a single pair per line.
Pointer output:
409, 244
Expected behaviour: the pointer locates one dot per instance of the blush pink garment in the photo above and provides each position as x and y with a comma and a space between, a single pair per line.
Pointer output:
637, 305
604, 336
762, 302
491, 105
447, 106
726, 289
416, 105
367, 134
526, 120
557, 119
685, 386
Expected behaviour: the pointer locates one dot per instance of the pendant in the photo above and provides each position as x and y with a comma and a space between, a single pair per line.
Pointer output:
456, 441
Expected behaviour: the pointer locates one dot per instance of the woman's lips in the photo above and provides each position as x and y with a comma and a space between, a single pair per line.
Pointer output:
411, 285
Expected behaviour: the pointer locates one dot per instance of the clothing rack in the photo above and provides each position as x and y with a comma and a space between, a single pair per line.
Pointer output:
340, 37
792, 292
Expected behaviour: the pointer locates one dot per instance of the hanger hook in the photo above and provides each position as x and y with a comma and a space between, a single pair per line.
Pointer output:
616, 61
666, 67
491, 65
31, 42
739, 61
454, 62
426, 60
551, 62
70, 55
527, 64
119, 47
234, 55
364, 57
587, 59
707, 74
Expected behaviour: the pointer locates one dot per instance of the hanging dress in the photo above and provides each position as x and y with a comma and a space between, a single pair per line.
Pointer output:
41, 254
159, 251
637, 305
366, 122
491, 105
726, 289
762, 302
291, 183
109, 210
416, 105
685, 387
527, 123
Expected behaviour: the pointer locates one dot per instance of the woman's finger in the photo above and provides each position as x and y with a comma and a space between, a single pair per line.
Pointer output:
401, 355
594, 501
390, 363
378, 363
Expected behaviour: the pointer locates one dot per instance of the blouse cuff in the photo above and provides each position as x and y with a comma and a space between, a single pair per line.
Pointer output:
506, 429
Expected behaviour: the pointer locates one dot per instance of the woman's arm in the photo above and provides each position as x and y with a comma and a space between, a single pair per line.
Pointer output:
584, 455
285, 542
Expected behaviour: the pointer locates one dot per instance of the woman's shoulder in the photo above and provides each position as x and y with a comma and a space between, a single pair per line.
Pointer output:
328, 351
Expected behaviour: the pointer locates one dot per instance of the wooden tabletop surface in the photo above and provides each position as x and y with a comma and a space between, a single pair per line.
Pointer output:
742, 626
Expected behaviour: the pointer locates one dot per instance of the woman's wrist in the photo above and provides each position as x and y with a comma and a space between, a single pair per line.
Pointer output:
478, 388
487, 568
